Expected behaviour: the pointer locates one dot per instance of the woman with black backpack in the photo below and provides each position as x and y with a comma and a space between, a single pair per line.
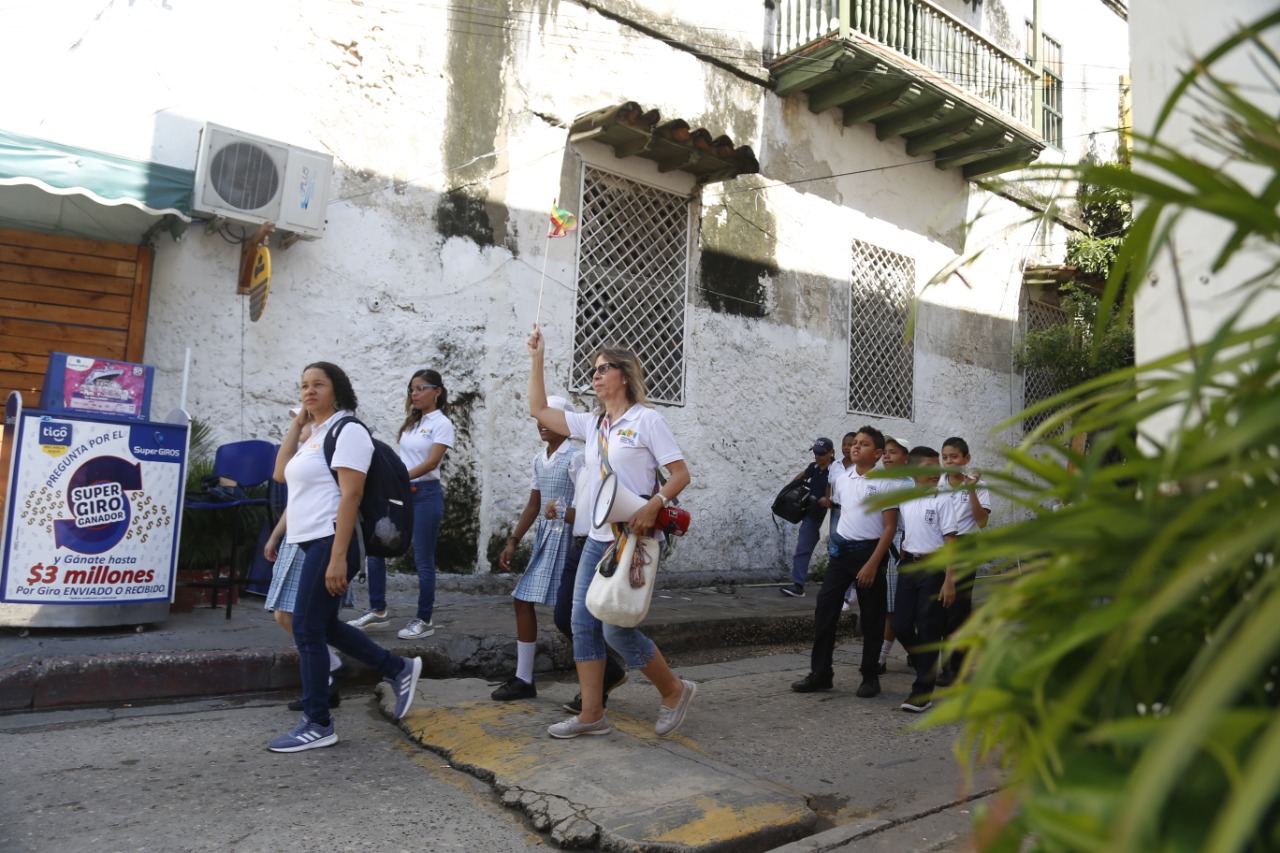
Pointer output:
324, 500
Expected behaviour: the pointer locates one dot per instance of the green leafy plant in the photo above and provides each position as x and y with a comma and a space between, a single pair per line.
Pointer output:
1125, 667
205, 541
1080, 349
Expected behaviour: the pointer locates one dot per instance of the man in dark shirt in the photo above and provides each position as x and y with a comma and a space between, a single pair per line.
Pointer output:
815, 477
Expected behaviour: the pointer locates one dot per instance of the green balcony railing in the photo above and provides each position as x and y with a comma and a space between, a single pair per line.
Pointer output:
940, 44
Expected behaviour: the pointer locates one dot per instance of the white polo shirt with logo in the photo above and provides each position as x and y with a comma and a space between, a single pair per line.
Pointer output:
313, 491
639, 442
925, 523
851, 490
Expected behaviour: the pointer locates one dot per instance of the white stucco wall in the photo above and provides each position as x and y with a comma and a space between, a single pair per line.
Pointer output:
383, 293
1166, 38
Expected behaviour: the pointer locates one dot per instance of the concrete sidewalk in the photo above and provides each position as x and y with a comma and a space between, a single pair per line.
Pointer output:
201, 653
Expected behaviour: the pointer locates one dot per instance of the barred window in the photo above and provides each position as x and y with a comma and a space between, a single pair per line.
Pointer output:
1051, 84
1038, 384
881, 360
633, 271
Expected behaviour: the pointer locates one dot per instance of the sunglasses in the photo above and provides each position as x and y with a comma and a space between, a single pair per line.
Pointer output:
602, 369
421, 388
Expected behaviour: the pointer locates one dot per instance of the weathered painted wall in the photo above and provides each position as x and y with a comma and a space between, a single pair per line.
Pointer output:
1167, 36
448, 129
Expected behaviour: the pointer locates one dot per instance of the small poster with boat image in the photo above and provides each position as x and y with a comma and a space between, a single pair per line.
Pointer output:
75, 383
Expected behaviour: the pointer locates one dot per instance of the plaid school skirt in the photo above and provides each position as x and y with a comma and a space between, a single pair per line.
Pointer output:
285, 575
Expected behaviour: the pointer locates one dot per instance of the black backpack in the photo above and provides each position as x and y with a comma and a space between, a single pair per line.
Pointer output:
386, 510
793, 502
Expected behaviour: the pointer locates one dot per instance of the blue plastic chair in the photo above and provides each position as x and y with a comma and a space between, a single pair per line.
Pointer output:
248, 464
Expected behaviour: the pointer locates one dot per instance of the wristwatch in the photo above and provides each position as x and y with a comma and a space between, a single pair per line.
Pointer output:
666, 501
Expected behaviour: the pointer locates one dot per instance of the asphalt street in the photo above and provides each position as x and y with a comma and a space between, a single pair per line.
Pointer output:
196, 776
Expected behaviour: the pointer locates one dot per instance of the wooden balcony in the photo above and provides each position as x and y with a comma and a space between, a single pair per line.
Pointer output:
913, 71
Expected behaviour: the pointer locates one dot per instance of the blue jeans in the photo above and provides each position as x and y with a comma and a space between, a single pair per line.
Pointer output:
589, 633
428, 511
316, 625
806, 541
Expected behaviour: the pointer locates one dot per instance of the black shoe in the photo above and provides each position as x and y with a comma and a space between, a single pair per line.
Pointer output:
335, 699
945, 678
869, 688
812, 683
516, 688
883, 668
795, 590
574, 705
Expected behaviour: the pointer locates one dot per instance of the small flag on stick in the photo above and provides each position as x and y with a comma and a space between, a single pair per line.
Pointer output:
562, 221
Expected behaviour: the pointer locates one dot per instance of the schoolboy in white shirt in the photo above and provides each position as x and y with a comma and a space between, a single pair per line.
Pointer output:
863, 545
972, 504
919, 613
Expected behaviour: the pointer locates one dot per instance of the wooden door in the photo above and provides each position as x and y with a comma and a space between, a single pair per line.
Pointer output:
67, 294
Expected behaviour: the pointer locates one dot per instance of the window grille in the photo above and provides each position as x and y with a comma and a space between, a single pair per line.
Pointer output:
633, 270
881, 359
1038, 384
1051, 85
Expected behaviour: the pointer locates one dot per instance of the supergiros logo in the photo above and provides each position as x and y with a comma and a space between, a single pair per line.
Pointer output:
55, 437
98, 505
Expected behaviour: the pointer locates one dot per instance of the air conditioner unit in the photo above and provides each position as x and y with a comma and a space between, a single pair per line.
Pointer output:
253, 180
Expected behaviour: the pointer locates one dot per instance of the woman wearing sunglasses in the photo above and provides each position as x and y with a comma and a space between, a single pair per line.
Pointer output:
425, 436
636, 441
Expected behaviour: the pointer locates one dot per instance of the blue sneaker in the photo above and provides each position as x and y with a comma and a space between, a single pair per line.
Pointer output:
305, 735
405, 685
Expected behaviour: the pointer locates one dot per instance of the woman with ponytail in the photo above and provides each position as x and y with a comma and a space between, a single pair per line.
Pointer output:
425, 436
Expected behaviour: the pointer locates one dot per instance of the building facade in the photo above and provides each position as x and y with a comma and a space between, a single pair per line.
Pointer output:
796, 212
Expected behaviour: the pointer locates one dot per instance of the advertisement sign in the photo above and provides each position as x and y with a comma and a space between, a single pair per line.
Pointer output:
93, 511
77, 383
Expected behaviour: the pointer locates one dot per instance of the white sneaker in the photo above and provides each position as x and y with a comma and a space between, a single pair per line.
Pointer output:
573, 727
844, 608
416, 629
370, 621
669, 719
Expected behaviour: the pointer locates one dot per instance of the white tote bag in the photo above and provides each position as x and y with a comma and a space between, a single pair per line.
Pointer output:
622, 596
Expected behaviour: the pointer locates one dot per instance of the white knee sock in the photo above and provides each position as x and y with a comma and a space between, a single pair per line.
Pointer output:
884, 650
334, 660
524, 660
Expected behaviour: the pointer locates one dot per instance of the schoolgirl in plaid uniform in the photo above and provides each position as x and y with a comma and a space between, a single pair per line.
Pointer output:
550, 509
553, 479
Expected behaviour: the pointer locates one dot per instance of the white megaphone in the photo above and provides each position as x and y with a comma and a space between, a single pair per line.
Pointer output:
614, 503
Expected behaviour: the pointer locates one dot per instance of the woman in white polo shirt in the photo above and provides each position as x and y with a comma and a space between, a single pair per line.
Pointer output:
324, 500
637, 441
425, 436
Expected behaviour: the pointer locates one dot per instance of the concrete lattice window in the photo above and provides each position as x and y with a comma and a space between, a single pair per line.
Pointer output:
1038, 384
633, 279
881, 359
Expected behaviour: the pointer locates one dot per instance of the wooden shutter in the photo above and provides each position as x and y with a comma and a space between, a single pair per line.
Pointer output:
67, 294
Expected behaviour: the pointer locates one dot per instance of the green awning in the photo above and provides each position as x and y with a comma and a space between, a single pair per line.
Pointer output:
59, 189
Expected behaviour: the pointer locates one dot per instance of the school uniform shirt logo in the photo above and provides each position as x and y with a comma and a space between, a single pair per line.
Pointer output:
627, 437
931, 516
